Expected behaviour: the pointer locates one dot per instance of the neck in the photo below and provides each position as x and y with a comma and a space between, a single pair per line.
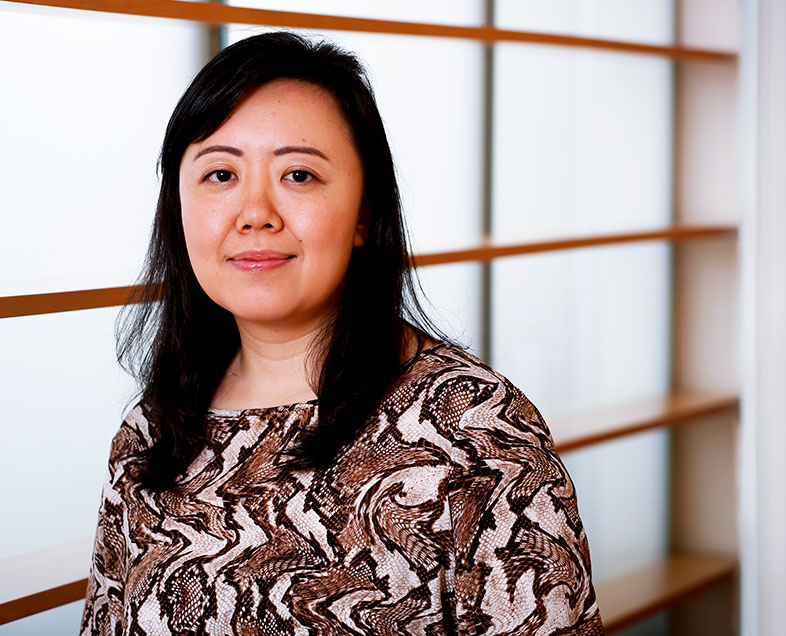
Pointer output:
272, 368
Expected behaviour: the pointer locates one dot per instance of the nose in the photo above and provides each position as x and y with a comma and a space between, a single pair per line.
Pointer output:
258, 209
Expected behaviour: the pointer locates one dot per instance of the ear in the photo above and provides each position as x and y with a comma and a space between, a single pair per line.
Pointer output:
364, 221
361, 232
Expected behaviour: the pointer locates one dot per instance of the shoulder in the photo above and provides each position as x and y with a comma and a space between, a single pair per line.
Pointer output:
460, 393
134, 438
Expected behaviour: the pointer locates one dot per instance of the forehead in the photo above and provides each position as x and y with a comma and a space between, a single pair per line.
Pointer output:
289, 107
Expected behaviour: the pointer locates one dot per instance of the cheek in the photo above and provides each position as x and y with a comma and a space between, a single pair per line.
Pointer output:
204, 252
333, 225
329, 238
188, 216
202, 224
193, 234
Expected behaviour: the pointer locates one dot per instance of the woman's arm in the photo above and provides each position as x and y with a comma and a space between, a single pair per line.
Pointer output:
104, 602
522, 560
103, 613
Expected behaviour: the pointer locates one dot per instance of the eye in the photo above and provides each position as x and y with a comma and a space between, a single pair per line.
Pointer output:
219, 176
299, 176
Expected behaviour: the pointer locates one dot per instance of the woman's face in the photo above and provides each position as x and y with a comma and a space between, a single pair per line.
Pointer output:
271, 206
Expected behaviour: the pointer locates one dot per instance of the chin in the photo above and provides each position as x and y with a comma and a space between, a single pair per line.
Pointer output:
279, 318
262, 315
244, 304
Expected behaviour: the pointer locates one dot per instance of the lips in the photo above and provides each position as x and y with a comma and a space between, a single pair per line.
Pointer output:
261, 255
260, 260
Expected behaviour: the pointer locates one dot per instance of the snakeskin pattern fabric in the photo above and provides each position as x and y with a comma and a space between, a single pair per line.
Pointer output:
450, 514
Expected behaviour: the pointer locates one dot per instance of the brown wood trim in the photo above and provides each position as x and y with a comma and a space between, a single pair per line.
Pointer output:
223, 14
34, 304
43, 579
487, 250
662, 411
676, 579
42, 601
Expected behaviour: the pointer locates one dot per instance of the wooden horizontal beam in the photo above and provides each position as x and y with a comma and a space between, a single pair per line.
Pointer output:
486, 250
44, 579
43, 601
661, 411
659, 586
223, 14
35, 304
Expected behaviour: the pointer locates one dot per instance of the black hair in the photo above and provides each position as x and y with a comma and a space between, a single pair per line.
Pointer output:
178, 343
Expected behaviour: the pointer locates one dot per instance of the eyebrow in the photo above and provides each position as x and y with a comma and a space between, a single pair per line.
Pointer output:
306, 150
228, 149
284, 150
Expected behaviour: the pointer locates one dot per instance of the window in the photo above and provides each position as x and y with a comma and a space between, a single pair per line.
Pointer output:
520, 146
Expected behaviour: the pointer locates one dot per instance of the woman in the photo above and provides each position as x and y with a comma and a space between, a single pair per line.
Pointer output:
306, 458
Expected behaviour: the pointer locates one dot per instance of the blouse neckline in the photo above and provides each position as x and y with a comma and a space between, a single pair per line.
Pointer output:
261, 410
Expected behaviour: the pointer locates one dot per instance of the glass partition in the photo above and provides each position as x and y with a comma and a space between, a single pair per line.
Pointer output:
82, 120
645, 21
63, 399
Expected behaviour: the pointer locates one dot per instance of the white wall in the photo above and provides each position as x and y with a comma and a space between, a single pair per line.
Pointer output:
763, 470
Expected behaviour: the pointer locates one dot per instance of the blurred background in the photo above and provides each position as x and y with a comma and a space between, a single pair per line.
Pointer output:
594, 194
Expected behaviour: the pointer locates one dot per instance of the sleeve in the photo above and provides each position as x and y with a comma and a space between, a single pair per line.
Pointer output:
104, 602
522, 564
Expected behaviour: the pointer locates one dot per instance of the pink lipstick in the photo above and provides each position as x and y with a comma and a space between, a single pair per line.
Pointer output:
260, 260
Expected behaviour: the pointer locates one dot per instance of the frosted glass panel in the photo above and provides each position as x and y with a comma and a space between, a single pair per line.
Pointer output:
463, 12
84, 104
429, 94
582, 330
623, 496
583, 145
649, 21
63, 397
582, 142
452, 300
585, 329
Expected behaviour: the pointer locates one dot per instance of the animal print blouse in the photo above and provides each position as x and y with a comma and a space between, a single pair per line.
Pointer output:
450, 514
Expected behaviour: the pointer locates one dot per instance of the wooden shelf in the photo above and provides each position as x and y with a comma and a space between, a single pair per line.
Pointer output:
657, 587
484, 250
216, 13
660, 411
41, 580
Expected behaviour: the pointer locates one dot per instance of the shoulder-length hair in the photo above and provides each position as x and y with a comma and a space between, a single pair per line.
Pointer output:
178, 343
